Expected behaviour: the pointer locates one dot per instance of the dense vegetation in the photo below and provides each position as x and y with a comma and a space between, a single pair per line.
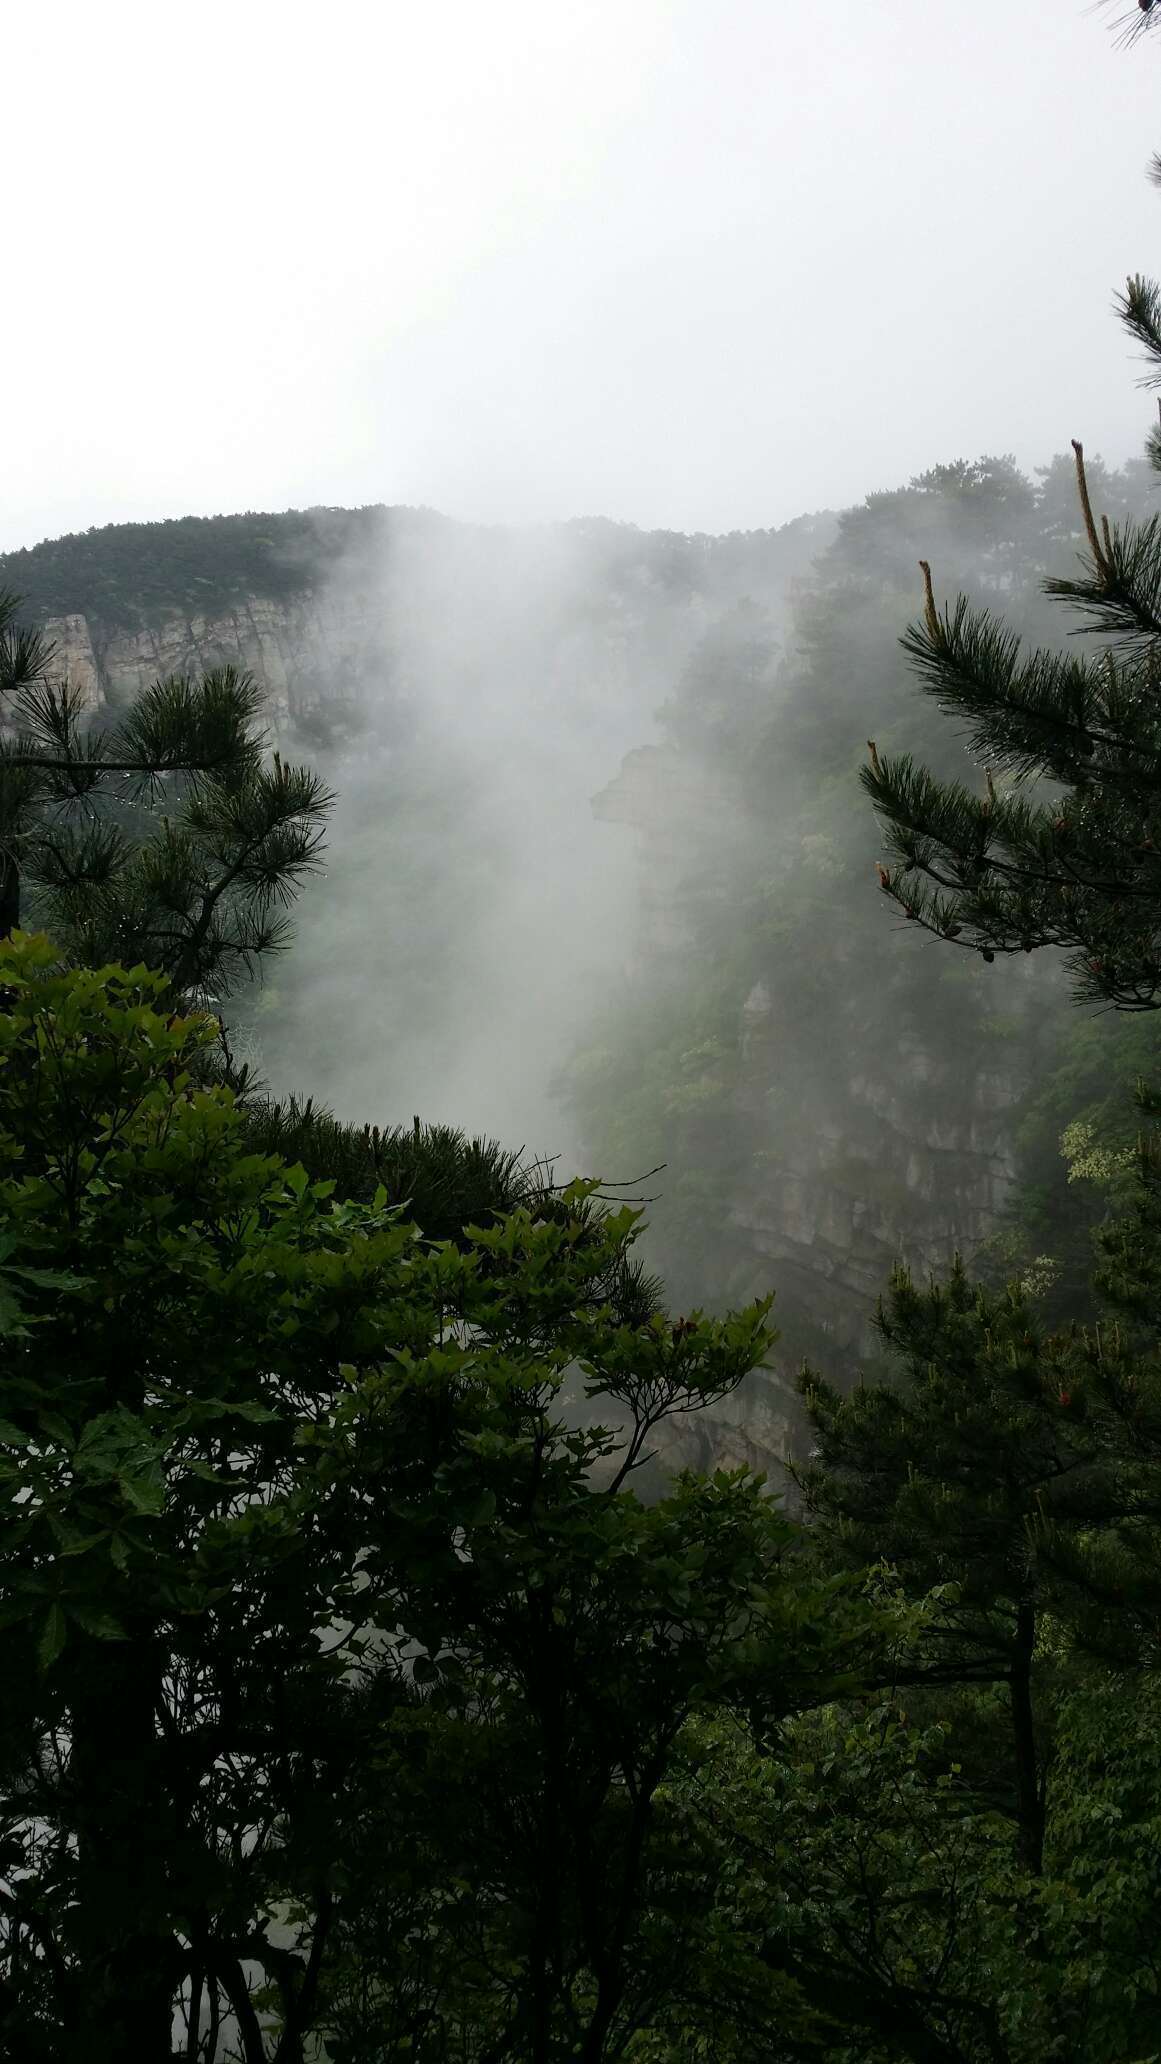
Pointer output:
127, 574
359, 1702
356, 1690
744, 1075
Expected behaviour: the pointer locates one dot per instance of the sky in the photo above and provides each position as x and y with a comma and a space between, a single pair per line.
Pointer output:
699, 264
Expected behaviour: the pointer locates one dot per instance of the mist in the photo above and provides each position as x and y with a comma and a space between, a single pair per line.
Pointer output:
475, 911
607, 329
689, 266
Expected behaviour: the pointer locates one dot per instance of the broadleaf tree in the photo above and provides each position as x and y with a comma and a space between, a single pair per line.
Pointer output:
299, 1555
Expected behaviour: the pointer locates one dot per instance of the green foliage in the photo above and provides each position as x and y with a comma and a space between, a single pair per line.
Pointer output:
1051, 1216
165, 836
124, 575
316, 1615
1104, 1852
1071, 865
947, 1472
861, 1906
130, 573
765, 1018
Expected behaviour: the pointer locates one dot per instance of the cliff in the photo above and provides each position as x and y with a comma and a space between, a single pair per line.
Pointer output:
842, 1130
298, 651
330, 604
824, 1106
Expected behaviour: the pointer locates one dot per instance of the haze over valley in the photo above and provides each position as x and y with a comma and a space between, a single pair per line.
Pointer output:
580, 1056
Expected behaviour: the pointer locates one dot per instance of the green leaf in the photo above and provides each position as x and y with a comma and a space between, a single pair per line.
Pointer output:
100, 1624
53, 1636
209, 1475
146, 1493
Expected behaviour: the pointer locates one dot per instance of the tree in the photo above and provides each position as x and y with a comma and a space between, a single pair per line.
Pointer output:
858, 1903
165, 837
1075, 865
945, 1473
308, 1594
755, 1048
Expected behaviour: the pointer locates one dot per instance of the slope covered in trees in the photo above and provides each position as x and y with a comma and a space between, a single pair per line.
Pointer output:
827, 1098
125, 575
357, 1704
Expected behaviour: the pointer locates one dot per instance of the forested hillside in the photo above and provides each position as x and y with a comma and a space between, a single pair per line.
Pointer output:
375, 1694
828, 1096
697, 982
580, 1105
130, 576
466, 691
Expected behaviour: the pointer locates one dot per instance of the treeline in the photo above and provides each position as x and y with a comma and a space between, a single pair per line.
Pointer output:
356, 1704
773, 1033
124, 575
354, 1694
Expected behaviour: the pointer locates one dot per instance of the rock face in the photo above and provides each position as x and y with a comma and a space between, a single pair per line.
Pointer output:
296, 650
848, 1149
888, 1153
658, 795
824, 1226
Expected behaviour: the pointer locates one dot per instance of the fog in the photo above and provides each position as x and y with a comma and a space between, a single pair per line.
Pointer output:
532, 277
475, 912
693, 265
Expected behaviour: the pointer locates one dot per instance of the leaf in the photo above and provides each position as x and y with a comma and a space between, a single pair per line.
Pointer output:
210, 1475
53, 1636
13, 1322
49, 1279
146, 1494
240, 1408
101, 1625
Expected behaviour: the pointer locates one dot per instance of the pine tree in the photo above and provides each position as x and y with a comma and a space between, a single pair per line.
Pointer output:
945, 1475
1067, 854
167, 838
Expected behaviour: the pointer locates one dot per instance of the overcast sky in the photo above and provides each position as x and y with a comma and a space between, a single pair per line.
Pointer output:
696, 263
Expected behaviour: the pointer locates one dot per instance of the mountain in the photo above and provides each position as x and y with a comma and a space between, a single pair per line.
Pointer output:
310, 600
601, 876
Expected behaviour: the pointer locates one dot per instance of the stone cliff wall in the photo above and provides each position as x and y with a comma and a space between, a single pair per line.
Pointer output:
842, 1163
299, 652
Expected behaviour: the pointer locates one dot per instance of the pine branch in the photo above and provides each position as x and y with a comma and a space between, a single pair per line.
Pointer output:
1131, 27
179, 725
261, 838
196, 895
1030, 717
1121, 593
1139, 310
25, 655
69, 859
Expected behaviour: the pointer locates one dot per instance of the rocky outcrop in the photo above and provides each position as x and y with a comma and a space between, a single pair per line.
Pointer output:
838, 1153
300, 652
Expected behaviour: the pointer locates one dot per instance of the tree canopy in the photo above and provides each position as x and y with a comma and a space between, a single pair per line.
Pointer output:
317, 1614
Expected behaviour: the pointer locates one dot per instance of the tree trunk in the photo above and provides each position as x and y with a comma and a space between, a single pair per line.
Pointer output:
1029, 1794
123, 1817
9, 894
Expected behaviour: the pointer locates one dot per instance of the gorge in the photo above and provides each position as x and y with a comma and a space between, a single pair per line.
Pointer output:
600, 880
